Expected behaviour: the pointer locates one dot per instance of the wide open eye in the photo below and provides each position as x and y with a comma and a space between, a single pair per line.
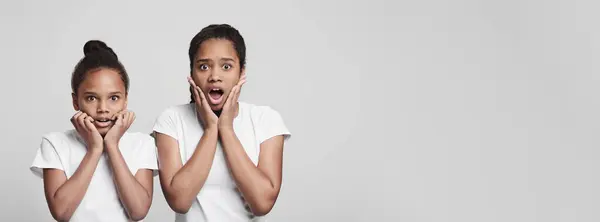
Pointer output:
203, 67
227, 66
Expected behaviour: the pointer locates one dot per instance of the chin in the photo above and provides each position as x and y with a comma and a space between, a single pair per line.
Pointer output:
103, 133
217, 107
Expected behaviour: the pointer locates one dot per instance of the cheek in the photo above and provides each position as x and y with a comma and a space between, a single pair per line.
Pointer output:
119, 105
233, 81
199, 76
200, 80
86, 107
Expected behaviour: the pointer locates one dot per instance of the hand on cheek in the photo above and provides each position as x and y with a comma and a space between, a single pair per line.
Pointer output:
229, 108
84, 125
204, 113
122, 122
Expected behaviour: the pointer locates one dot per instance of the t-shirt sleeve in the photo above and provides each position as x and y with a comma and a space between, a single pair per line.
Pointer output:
46, 158
271, 124
146, 156
166, 123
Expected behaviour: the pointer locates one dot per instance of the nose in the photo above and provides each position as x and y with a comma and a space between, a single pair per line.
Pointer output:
102, 107
214, 76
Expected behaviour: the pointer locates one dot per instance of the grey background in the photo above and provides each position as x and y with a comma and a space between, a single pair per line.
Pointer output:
400, 110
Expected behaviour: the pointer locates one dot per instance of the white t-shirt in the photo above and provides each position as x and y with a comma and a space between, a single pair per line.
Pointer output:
65, 151
219, 198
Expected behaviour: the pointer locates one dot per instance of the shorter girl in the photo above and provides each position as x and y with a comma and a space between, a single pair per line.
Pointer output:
98, 171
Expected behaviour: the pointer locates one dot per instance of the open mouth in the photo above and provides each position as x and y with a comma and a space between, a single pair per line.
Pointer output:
102, 122
215, 96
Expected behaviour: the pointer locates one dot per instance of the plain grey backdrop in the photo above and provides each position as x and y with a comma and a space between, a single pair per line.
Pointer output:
400, 110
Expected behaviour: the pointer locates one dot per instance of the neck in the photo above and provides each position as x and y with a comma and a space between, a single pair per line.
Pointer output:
236, 107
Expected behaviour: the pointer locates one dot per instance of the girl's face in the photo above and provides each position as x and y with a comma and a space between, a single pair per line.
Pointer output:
101, 95
216, 70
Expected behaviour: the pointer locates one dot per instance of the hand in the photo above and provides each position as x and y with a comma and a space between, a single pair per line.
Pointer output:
123, 121
207, 117
86, 129
230, 106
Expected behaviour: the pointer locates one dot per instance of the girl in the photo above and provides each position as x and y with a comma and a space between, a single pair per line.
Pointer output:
219, 159
98, 171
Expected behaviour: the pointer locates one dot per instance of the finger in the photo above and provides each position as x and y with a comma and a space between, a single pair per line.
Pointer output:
202, 96
126, 117
197, 91
81, 121
240, 84
196, 95
243, 78
89, 125
74, 121
77, 114
116, 115
131, 119
122, 116
86, 120
194, 90
118, 119
231, 96
74, 117
241, 81
239, 89
237, 94
191, 81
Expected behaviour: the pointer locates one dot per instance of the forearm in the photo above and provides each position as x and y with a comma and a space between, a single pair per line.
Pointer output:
68, 196
255, 186
135, 198
188, 180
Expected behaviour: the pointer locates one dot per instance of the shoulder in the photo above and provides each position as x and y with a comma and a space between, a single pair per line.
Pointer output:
62, 143
180, 110
136, 140
258, 111
139, 136
267, 121
59, 138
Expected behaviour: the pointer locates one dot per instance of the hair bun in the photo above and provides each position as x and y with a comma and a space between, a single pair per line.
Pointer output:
94, 46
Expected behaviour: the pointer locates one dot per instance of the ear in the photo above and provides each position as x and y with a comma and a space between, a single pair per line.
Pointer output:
242, 72
75, 104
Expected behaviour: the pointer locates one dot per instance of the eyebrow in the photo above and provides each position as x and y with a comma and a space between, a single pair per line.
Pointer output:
111, 93
222, 59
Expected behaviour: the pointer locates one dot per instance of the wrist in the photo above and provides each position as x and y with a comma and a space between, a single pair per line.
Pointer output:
226, 130
211, 126
225, 126
109, 144
212, 129
95, 150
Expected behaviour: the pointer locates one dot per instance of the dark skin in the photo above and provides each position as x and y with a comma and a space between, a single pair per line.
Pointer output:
217, 65
101, 120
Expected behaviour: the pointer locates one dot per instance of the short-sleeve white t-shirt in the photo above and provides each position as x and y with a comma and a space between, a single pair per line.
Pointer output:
65, 151
219, 198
